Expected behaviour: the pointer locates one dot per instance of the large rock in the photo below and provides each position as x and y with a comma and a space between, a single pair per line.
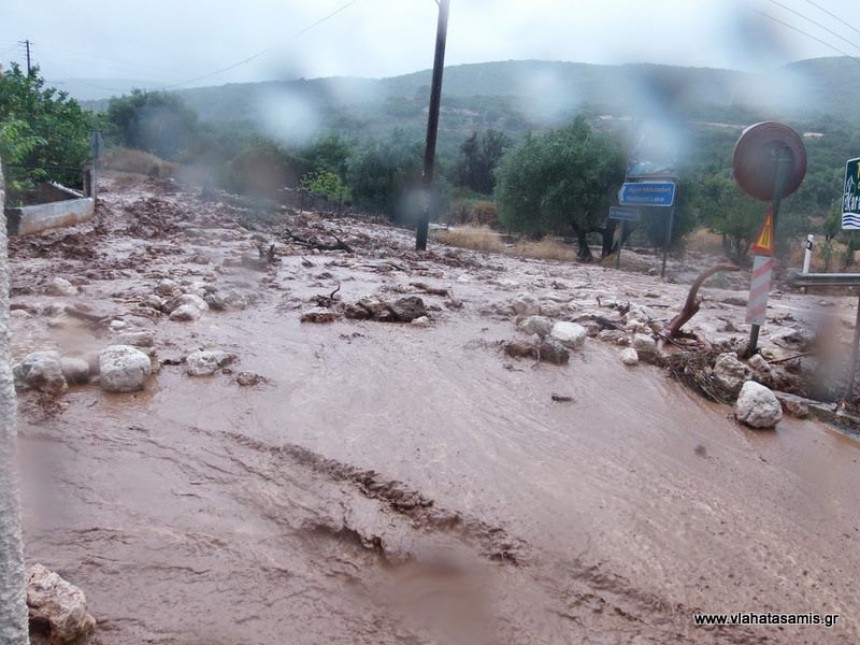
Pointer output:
569, 334
60, 287
185, 300
646, 348
408, 309
144, 338
207, 362
186, 313
56, 607
540, 325
617, 336
526, 305
550, 308
757, 406
729, 372
41, 371
629, 356
123, 368
552, 351
76, 371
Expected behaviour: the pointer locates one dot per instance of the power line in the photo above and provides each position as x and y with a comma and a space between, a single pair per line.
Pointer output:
244, 61
817, 24
833, 15
808, 35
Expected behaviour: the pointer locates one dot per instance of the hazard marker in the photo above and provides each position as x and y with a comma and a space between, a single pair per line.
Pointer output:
764, 244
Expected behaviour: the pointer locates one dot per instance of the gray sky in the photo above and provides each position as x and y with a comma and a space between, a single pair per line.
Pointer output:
187, 43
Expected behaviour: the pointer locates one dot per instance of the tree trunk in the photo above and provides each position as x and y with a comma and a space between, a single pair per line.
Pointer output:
13, 595
584, 254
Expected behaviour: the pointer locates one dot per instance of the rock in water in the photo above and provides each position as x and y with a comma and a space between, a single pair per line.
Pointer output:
525, 305
646, 348
408, 309
552, 351
123, 368
629, 356
569, 334
41, 371
60, 287
729, 372
540, 325
57, 607
757, 406
204, 363
76, 371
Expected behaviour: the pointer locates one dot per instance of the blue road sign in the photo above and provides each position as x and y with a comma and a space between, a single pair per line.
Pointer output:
647, 193
851, 196
624, 213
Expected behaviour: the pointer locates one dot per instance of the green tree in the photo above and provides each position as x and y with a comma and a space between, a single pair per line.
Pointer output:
326, 184
729, 212
560, 182
156, 122
479, 156
381, 173
44, 133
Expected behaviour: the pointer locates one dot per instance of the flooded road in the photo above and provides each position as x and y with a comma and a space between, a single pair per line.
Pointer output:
386, 483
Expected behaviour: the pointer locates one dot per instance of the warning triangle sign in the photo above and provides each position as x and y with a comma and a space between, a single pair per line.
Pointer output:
764, 244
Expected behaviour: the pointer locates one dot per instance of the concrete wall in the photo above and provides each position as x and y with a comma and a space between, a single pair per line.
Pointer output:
34, 219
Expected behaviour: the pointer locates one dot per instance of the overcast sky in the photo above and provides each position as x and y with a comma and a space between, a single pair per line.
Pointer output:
171, 42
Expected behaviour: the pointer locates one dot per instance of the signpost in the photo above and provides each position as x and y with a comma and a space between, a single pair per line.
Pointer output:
647, 193
851, 196
660, 194
769, 163
623, 214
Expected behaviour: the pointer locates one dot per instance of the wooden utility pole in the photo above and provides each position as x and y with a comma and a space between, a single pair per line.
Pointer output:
432, 125
27, 45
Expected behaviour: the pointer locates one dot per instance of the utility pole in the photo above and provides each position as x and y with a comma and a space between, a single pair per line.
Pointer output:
432, 125
27, 45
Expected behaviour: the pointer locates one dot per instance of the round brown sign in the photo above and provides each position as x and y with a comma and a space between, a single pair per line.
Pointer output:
761, 149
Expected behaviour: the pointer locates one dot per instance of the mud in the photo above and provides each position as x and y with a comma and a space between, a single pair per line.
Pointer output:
358, 482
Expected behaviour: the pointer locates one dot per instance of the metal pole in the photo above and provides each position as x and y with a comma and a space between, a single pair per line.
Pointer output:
620, 242
668, 241
783, 164
854, 352
432, 124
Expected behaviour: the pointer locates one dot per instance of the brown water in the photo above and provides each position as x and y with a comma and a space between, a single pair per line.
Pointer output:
395, 484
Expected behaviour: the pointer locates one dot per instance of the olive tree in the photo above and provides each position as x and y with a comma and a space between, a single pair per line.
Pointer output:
560, 182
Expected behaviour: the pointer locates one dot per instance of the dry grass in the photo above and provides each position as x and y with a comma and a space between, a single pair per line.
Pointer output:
704, 241
136, 161
489, 241
467, 237
546, 249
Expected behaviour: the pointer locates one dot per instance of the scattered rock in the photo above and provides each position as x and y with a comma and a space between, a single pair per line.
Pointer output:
136, 338
540, 325
552, 351
759, 364
550, 309
629, 356
123, 368
569, 334
794, 407
41, 371
521, 349
76, 371
729, 372
60, 287
370, 308
526, 305
408, 309
118, 325
185, 313
56, 607
646, 348
249, 379
422, 322
757, 406
168, 289
185, 300
207, 362
617, 336
318, 315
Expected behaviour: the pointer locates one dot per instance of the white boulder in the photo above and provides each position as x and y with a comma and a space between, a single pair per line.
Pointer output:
757, 406
206, 362
41, 371
57, 606
123, 368
569, 334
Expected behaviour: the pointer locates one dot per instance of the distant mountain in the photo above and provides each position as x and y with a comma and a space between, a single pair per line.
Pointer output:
517, 96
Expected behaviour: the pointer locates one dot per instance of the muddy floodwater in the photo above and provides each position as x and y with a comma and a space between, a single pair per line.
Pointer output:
387, 483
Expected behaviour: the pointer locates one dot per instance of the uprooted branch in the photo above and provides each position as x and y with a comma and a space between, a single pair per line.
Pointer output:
339, 244
691, 306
